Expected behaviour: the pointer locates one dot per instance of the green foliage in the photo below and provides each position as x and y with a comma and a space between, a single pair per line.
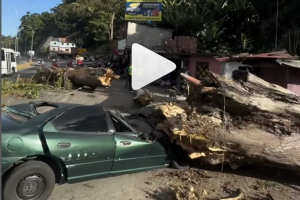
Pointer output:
219, 25
31, 22
233, 25
8, 41
88, 22
28, 89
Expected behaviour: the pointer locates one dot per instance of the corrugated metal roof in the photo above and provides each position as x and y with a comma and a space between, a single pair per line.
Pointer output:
274, 55
291, 63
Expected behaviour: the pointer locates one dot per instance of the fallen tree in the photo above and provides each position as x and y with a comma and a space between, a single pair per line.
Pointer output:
238, 121
82, 76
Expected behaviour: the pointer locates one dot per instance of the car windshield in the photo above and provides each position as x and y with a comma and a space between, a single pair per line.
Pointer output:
18, 112
14, 116
122, 121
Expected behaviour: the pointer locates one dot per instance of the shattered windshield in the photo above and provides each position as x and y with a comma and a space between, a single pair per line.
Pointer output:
18, 112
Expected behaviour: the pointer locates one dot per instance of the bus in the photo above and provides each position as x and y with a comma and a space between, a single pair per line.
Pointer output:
8, 61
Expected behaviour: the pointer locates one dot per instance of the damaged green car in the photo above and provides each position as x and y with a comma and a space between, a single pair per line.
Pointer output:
46, 143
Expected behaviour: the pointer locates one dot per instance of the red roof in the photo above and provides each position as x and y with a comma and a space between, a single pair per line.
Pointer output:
274, 55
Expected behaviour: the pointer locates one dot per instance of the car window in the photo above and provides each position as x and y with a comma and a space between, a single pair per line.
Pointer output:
2, 55
82, 119
119, 126
12, 57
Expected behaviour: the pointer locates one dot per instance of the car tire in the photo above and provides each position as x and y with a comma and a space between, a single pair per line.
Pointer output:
176, 165
30, 178
181, 160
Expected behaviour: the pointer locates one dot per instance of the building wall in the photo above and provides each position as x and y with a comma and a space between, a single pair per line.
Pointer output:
67, 45
64, 49
55, 43
53, 48
61, 44
123, 31
146, 35
272, 72
214, 65
294, 80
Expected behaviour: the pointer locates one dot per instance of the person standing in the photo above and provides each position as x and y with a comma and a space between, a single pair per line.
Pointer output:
166, 82
126, 76
130, 78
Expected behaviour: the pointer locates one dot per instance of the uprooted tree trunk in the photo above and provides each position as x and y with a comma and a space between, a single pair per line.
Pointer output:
245, 120
83, 76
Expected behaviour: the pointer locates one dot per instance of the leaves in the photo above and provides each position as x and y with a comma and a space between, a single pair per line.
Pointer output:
219, 25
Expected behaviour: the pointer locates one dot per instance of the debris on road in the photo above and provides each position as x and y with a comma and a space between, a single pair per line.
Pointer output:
245, 120
143, 97
22, 88
198, 184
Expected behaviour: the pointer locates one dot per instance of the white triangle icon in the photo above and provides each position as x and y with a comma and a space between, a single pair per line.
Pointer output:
148, 66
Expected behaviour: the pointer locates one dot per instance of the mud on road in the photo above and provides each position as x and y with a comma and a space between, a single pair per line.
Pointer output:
208, 182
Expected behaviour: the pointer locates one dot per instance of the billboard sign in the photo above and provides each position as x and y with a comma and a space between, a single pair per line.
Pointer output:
143, 10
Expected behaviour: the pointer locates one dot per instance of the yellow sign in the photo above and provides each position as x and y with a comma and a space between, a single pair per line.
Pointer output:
143, 10
81, 50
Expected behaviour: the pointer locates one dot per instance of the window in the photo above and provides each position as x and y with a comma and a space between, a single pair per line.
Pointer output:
54, 42
53, 49
82, 119
68, 44
62, 43
201, 70
12, 57
119, 126
66, 49
2, 55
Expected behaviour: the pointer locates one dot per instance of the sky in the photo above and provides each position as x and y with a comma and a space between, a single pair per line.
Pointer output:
10, 19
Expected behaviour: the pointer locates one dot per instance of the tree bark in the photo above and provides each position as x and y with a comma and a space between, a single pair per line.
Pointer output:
245, 120
111, 33
82, 76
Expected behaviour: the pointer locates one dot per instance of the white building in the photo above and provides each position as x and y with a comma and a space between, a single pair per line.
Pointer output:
61, 46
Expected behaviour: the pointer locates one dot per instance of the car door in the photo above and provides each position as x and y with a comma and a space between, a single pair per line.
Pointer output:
80, 138
132, 152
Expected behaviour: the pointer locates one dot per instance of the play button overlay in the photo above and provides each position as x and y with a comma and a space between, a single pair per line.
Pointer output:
148, 66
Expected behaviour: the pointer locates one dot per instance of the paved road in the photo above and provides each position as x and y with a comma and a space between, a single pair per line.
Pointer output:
22, 60
28, 72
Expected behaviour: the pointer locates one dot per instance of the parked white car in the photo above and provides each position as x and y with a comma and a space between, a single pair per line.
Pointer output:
39, 62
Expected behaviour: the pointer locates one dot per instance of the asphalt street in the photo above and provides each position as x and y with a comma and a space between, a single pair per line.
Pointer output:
28, 72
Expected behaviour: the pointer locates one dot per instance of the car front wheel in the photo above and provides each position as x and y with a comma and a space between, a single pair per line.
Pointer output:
181, 160
32, 180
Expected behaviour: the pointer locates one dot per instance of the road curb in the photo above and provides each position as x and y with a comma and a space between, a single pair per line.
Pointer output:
23, 66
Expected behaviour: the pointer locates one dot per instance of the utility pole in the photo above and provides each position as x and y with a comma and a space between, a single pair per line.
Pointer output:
31, 40
9, 43
25, 44
16, 41
277, 13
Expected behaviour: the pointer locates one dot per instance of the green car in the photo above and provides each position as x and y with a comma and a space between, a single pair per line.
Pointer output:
46, 143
